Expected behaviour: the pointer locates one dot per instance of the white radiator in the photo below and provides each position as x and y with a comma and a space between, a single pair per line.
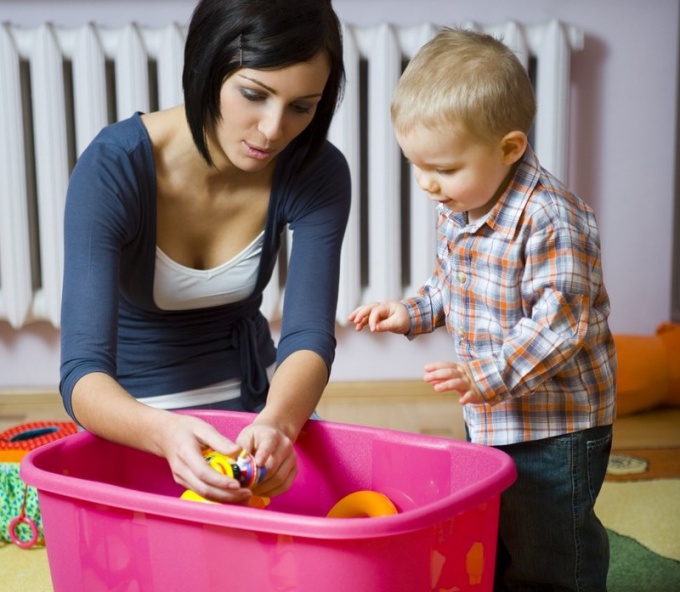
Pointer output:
60, 86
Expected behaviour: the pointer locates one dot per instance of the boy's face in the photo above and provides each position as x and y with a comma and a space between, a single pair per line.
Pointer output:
463, 174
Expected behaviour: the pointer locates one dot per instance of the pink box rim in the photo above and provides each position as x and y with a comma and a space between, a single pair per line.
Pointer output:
276, 522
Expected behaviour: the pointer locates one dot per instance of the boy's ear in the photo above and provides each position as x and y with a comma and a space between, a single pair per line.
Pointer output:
513, 146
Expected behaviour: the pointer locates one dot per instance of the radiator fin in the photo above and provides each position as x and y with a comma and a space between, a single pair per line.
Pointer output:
62, 85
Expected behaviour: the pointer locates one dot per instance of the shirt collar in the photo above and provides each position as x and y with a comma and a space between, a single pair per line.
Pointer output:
506, 213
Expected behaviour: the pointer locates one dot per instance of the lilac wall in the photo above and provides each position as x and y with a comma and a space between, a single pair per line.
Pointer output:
621, 154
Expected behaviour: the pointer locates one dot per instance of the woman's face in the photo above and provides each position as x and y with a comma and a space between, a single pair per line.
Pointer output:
264, 110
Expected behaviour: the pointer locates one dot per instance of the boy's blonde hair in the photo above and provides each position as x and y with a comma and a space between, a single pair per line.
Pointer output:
466, 78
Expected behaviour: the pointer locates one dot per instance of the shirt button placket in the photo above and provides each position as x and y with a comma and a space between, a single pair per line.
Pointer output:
461, 336
461, 278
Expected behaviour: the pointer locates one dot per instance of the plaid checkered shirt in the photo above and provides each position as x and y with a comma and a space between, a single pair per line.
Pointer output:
521, 293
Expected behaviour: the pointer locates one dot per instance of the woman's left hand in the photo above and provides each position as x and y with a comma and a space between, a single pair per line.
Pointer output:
273, 450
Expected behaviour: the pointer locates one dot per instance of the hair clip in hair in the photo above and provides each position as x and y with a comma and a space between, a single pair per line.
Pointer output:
240, 50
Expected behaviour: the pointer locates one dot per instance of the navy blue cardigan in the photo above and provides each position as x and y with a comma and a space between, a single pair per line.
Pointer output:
109, 321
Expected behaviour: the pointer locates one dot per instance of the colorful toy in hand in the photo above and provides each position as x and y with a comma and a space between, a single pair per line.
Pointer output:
242, 468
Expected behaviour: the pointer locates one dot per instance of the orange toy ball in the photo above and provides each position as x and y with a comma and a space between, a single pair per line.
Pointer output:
363, 504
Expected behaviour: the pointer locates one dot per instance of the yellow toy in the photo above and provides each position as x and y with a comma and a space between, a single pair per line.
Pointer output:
242, 468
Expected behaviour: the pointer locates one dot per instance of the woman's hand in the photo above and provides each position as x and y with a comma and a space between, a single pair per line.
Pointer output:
182, 439
273, 450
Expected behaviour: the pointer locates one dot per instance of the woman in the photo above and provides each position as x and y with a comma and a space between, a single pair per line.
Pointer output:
173, 225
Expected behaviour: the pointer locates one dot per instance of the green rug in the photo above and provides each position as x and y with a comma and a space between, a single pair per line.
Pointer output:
640, 507
634, 568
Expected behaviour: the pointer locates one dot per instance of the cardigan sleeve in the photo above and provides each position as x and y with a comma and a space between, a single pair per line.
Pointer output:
318, 208
101, 215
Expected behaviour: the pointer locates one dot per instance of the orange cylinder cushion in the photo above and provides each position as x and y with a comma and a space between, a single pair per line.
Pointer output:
648, 372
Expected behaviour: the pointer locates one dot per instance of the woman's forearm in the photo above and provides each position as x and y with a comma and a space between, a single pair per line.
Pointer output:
295, 391
104, 408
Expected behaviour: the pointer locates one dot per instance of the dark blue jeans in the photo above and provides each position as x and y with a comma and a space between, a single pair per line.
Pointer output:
549, 536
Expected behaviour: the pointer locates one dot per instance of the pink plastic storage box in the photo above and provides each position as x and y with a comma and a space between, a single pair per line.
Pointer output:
113, 519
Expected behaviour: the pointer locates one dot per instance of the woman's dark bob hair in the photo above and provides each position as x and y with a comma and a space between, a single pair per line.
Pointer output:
225, 35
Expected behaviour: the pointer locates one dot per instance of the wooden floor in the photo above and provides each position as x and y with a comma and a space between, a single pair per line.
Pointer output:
410, 406
26, 406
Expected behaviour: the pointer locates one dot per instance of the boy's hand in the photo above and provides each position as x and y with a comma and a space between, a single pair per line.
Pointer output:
453, 376
382, 316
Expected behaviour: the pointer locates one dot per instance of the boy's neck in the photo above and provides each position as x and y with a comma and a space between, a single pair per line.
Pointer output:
496, 196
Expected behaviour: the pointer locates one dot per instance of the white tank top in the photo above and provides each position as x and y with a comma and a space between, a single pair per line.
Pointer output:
176, 287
